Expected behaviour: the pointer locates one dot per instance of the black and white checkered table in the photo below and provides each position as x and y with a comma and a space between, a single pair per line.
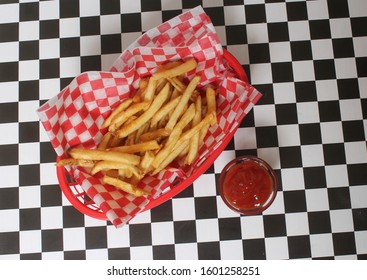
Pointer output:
308, 58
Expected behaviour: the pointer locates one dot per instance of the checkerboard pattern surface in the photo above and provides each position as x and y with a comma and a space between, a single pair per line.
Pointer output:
307, 58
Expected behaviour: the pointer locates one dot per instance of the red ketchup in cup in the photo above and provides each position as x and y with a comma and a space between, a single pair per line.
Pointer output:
248, 185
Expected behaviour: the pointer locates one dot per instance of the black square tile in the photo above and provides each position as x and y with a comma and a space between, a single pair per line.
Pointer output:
343, 47
329, 111
286, 113
9, 199
360, 219
282, 72
69, 47
49, 29
255, 13
140, 234
361, 66
205, 207
28, 11
52, 240
9, 72
29, 175
299, 247
216, 15
69, 8
230, 146
278, 32
64, 82
334, 153
28, 132
339, 198
47, 152
31, 256
266, 136
110, 7
229, 228
167, 15
9, 242
305, 91
90, 63
320, 29
164, 252
324, 69
232, 2
314, 177
119, 254
267, 92
274, 225
249, 120
364, 108
310, 133
28, 90
185, 231
319, 222
9, 154
162, 212
356, 174
51, 196
254, 249
111, 43
9, 32
296, 11
131, 22
90, 26
348, 88
338, 9
209, 251
290, 157
344, 243
188, 192
72, 217
151, 5
236, 34
359, 26
191, 4
49, 68
30, 219
353, 131
8, 112
259, 53
301, 50
95, 237
294, 201
28, 50
75, 255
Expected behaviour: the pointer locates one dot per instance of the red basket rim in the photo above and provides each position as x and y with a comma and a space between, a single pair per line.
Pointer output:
76, 198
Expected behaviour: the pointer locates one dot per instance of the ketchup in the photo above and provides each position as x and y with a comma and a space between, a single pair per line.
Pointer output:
247, 185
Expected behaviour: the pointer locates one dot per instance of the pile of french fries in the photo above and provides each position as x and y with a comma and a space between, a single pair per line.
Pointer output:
166, 120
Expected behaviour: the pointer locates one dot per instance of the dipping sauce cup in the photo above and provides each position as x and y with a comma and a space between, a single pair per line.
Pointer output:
248, 185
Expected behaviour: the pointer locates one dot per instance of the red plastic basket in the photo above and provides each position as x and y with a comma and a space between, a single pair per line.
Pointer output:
80, 200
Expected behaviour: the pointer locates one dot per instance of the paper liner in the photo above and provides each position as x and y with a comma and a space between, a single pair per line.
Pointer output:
75, 115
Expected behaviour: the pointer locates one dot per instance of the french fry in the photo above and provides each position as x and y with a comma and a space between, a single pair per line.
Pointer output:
137, 148
154, 135
194, 141
103, 145
110, 165
123, 105
85, 154
164, 111
75, 162
127, 187
150, 90
183, 68
210, 99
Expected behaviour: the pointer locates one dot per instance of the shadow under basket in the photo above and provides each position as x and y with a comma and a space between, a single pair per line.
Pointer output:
82, 202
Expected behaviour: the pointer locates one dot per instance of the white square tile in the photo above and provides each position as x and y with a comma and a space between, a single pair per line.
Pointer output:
49, 48
67, 27
257, 33
361, 241
322, 49
284, 93
345, 68
276, 248
48, 10
346, 258
312, 155
30, 241
362, 83
245, 138
27, 111
118, 237
92, 222
52, 255
264, 115
234, 15
48, 88
317, 200
288, 135
9, 51
96, 254
89, 8
150, 20
28, 70
206, 3
9, 220
205, 186
110, 24
327, 90
231, 250
51, 217
90, 45
351, 109
355, 152
336, 175
357, 8
29, 197
69, 67
317, 10
321, 245
303, 71
223, 210
222, 160
128, 38
9, 13
141, 253
107, 60
48, 173
207, 230
297, 224
340, 28
141, 218
299, 30
12, 180
358, 196
277, 207
331, 132
29, 30
308, 112
261, 74
12, 135
270, 155
252, 227
240, 52
183, 209
276, 12
162, 233
186, 251
341, 220
128, 6
292, 179
12, 88
74, 239
221, 33
280, 52
360, 44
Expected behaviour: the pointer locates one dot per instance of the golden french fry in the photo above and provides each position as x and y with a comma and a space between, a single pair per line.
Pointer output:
150, 90
122, 185
176, 71
196, 129
108, 165
123, 116
123, 105
146, 162
164, 111
75, 162
137, 148
154, 135
210, 99
104, 155
104, 144
194, 141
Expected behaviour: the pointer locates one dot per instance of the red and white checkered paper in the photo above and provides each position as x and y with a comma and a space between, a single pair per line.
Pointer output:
74, 116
